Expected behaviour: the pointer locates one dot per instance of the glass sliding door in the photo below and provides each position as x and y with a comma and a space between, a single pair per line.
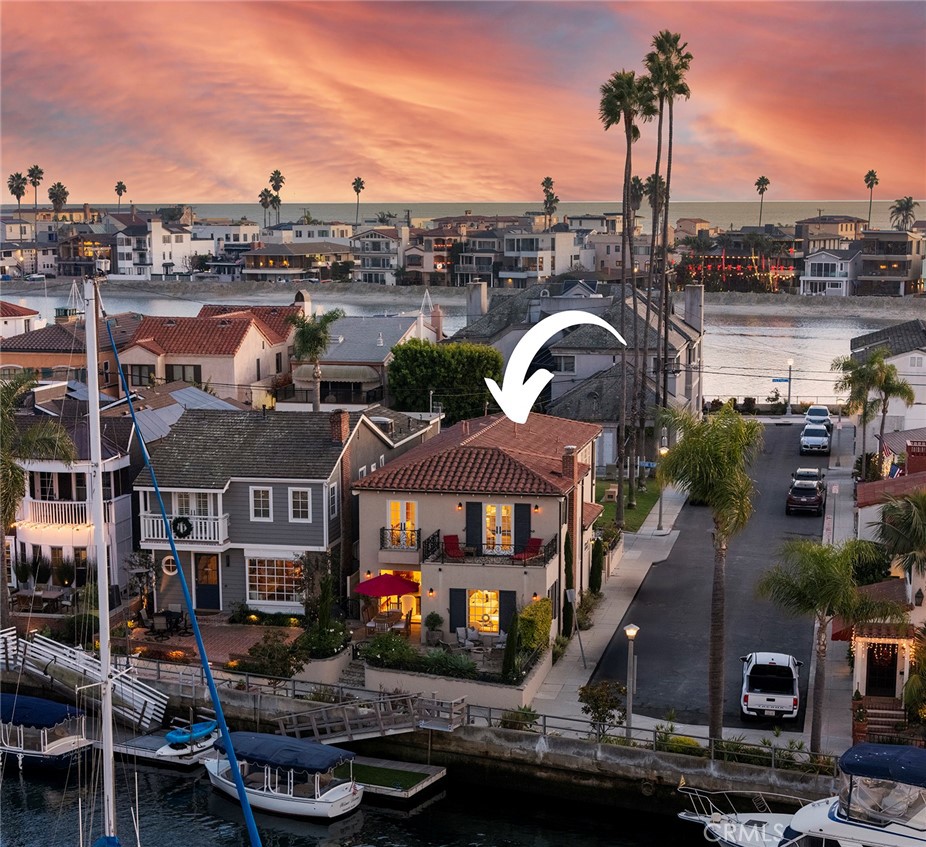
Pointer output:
403, 523
499, 529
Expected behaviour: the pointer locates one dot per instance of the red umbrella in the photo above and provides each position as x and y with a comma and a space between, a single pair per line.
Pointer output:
387, 585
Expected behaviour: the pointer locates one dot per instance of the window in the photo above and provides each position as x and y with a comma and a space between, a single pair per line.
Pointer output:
183, 504
168, 566
141, 374
272, 580
80, 557
185, 373
362, 472
257, 367
564, 364
279, 363
916, 361
333, 500
261, 504
56, 557
300, 505
46, 485
403, 523
178, 239
482, 610
382, 460
499, 525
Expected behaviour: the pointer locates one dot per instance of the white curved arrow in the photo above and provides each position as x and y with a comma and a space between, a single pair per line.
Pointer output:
517, 397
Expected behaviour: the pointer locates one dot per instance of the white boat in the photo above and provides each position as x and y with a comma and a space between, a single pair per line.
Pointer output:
39, 732
287, 776
881, 803
184, 742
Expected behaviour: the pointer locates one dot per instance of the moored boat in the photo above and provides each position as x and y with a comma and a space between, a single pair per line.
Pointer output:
39, 732
287, 776
186, 741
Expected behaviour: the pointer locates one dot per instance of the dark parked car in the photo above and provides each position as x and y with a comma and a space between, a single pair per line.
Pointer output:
806, 495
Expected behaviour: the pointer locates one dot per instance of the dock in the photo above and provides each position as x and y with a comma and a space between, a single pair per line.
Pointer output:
433, 774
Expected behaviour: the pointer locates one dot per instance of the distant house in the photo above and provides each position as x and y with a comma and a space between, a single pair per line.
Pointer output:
831, 272
16, 319
242, 515
296, 261
892, 263
477, 516
379, 252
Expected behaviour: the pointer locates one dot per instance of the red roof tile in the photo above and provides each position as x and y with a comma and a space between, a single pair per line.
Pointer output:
12, 310
275, 317
220, 335
590, 513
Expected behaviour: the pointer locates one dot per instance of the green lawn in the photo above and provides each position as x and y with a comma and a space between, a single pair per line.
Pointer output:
633, 518
370, 775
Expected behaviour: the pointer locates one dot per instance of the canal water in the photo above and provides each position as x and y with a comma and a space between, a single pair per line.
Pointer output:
184, 811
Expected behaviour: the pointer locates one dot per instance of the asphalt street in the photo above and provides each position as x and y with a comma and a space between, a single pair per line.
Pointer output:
672, 606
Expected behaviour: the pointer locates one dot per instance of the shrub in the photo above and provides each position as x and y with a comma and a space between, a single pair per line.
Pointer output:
244, 614
41, 569
512, 670
322, 643
559, 647
80, 629
603, 703
523, 718
388, 650
534, 624
457, 665
273, 657
595, 574
749, 405
433, 622
567, 624
587, 606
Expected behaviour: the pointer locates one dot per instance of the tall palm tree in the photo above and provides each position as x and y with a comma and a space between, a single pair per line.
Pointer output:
888, 385
654, 189
358, 186
310, 342
120, 189
675, 62
58, 195
902, 531
857, 381
871, 180
817, 579
17, 184
36, 175
276, 183
275, 205
710, 462
550, 200
45, 440
762, 184
264, 198
630, 100
903, 213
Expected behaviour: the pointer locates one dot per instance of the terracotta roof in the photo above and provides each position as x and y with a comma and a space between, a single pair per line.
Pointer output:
275, 317
873, 493
71, 337
12, 310
893, 590
220, 335
489, 455
885, 630
590, 513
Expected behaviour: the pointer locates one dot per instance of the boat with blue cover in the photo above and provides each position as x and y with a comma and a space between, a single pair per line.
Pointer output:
186, 741
39, 732
287, 776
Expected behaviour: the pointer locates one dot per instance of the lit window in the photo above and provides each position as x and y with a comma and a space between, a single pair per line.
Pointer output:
168, 566
482, 610
261, 504
272, 580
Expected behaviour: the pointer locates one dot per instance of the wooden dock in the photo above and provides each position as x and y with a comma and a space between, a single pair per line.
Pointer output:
433, 774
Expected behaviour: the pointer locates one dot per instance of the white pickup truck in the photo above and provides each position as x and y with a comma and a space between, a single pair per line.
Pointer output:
770, 686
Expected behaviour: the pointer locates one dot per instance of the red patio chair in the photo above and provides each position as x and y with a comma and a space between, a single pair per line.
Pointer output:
531, 551
452, 548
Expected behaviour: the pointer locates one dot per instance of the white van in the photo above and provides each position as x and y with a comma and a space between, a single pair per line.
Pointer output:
35, 278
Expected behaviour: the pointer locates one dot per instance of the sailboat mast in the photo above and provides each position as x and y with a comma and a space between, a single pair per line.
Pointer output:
99, 543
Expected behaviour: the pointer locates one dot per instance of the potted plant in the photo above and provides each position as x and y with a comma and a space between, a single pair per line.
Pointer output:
433, 623
859, 719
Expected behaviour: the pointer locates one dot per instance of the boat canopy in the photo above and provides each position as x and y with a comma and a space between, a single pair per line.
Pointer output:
36, 712
886, 761
262, 748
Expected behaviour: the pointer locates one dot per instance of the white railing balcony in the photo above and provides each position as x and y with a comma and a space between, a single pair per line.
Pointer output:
206, 530
62, 512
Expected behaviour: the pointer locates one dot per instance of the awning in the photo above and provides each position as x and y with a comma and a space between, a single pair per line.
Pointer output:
261, 748
338, 373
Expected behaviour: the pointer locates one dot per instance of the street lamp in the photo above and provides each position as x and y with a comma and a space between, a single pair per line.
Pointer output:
663, 451
630, 631
790, 365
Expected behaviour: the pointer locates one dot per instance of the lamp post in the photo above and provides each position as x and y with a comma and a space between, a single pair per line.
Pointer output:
663, 450
630, 631
790, 365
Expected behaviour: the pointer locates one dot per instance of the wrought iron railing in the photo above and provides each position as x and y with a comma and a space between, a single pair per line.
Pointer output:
396, 538
431, 545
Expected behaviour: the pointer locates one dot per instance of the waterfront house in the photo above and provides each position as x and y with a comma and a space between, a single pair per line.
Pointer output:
247, 492
530, 257
480, 257
379, 253
831, 272
477, 516
892, 263
16, 319
82, 246
336, 232
15, 228
280, 262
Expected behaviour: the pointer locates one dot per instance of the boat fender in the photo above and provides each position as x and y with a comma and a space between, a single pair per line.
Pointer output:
646, 788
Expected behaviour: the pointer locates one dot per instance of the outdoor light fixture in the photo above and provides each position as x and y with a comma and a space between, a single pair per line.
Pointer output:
918, 597
630, 631
536, 508
459, 507
369, 574
430, 592
534, 597
664, 442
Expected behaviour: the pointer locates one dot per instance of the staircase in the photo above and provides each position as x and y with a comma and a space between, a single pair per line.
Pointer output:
886, 715
353, 676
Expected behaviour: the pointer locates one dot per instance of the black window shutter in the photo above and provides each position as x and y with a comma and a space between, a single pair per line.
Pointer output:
457, 608
522, 525
473, 525
64, 486
507, 607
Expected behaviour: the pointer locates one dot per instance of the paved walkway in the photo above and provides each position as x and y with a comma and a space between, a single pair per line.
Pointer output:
558, 695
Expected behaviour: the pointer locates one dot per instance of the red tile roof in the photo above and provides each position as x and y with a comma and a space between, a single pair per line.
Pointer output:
220, 335
873, 493
489, 455
12, 310
590, 513
275, 317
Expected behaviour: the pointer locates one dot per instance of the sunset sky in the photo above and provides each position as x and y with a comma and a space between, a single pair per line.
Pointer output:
455, 101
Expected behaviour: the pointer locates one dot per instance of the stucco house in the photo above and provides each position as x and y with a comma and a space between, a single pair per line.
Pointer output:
16, 319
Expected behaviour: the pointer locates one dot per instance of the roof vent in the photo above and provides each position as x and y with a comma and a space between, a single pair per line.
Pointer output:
170, 322
379, 341
224, 322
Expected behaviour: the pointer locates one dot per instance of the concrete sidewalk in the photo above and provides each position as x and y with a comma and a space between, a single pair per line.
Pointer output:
558, 696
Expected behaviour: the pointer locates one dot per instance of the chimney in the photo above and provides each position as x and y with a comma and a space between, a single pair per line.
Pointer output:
477, 303
570, 463
339, 421
86, 212
694, 307
132, 209
437, 321
916, 457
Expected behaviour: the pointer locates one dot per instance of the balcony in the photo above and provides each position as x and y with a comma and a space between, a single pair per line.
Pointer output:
405, 546
206, 530
62, 512
482, 555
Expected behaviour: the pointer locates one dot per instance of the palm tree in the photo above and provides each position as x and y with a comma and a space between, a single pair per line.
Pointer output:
871, 180
762, 184
710, 462
358, 186
902, 530
625, 98
265, 197
550, 200
857, 381
275, 205
310, 342
276, 183
903, 213
17, 184
36, 175
58, 195
817, 579
655, 192
45, 440
120, 189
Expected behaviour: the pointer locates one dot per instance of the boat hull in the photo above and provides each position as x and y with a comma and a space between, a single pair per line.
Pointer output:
745, 830
65, 753
336, 802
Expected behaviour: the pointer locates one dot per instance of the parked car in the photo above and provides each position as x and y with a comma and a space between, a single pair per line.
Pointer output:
770, 686
808, 473
819, 415
806, 495
35, 278
815, 438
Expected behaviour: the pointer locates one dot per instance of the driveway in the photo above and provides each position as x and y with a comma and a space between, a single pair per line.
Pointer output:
672, 606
